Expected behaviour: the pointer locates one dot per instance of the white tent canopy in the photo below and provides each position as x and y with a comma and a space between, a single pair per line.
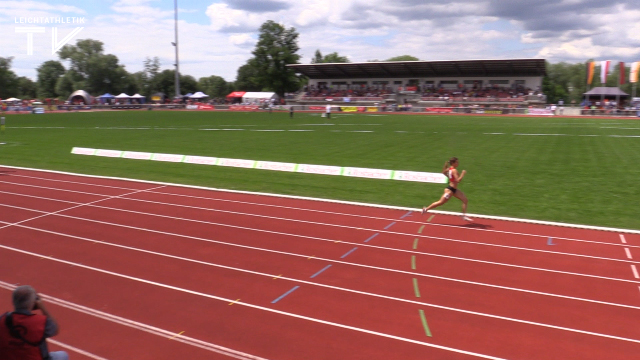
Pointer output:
198, 95
257, 96
123, 96
11, 99
137, 96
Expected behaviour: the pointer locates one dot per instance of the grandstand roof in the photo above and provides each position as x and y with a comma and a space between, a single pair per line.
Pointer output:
421, 69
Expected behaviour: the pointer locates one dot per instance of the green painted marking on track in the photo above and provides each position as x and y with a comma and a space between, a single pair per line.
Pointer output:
415, 244
413, 262
424, 323
421, 228
432, 216
415, 287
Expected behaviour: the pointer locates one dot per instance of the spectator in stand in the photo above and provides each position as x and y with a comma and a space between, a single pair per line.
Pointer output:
23, 334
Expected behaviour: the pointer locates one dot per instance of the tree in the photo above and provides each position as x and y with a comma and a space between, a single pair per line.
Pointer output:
26, 88
99, 72
68, 83
146, 79
48, 74
403, 58
214, 86
81, 54
276, 48
166, 82
8, 79
329, 58
246, 80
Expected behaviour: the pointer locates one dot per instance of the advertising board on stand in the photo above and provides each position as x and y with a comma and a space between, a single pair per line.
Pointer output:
541, 112
439, 109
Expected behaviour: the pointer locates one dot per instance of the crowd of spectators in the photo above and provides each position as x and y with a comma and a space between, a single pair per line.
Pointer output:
491, 93
346, 91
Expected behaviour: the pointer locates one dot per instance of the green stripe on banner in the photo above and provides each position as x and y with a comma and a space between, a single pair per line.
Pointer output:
424, 323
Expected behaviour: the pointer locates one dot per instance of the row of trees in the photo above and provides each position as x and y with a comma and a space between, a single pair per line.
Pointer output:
91, 69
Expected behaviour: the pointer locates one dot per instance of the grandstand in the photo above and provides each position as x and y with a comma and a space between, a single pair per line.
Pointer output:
516, 82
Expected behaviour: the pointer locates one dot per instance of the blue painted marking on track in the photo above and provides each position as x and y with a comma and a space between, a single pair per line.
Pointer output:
550, 241
407, 214
285, 294
348, 252
318, 273
390, 225
372, 236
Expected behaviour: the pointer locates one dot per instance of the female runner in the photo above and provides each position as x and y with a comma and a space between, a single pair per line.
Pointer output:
451, 172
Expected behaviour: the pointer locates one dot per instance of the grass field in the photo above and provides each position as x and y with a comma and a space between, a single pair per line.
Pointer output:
576, 170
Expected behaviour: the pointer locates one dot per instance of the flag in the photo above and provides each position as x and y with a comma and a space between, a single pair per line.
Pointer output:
633, 75
604, 71
590, 67
622, 72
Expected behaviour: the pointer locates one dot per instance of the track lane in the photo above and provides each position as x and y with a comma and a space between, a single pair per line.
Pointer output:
175, 274
396, 214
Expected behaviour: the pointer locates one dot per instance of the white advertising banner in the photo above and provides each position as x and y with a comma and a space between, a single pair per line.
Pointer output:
319, 169
167, 157
137, 155
83, 151
202, 160
420, 177
368, 173
277, 166
240, 163
270, 165
109, 153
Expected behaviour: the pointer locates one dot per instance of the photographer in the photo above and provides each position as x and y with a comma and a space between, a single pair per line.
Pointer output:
23, 334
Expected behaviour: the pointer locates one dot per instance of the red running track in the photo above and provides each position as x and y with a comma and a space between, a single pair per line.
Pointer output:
135, 270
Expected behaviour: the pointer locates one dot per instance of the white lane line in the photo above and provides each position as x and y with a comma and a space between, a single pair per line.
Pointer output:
139, 326
624, 241
75, 349
319, 239
635, 272
77, 206
351, 264
298, 281
279, 312
322, 200
626, 250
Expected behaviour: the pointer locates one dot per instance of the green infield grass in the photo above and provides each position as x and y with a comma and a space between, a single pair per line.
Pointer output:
574, 170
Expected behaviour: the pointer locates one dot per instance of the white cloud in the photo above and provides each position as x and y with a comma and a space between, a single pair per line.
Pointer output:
569, 30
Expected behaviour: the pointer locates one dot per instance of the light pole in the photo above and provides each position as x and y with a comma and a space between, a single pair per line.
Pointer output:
177, 64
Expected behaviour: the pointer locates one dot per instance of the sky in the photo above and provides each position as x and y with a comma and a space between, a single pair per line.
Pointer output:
216, 37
